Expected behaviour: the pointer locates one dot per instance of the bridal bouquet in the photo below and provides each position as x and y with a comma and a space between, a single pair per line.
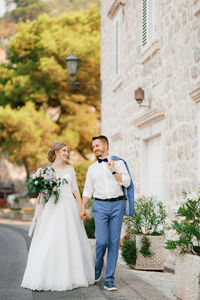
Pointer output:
44, 181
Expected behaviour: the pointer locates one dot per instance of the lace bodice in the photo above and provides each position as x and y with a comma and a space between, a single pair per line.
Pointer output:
68, 174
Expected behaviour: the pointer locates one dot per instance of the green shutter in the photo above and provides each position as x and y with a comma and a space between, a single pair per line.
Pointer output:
148, 21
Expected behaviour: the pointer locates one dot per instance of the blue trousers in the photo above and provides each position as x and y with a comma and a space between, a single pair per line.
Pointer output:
108, 218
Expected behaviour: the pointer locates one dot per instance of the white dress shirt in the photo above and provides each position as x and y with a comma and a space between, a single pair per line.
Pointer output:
102, 184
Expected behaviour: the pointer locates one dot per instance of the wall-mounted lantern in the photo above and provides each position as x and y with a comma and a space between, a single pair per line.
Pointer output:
139, 97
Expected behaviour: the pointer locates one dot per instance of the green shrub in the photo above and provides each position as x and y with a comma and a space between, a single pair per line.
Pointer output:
186, 227
81, 171
149, 217
129, 251
90, 228
145, 249
16, 200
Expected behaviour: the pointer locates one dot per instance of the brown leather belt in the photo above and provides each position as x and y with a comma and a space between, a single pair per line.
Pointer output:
110, 199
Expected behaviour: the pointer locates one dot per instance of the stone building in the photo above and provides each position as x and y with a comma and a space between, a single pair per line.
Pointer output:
154, 45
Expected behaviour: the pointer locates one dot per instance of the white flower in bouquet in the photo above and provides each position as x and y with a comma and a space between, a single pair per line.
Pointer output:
45, 181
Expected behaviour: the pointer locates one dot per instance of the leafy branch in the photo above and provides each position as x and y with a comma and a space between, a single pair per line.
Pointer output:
187, 225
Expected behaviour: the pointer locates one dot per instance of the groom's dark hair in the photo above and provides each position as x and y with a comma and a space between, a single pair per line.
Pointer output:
103, 138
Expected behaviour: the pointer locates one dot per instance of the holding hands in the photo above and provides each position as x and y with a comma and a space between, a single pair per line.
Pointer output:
83, 214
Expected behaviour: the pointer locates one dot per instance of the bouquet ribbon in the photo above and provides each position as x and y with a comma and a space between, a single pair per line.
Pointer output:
38, 212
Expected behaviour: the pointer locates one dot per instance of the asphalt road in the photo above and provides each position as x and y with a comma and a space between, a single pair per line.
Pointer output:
132, 285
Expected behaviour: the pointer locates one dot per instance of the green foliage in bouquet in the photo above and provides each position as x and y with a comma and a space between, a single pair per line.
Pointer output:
149, 217
187, 225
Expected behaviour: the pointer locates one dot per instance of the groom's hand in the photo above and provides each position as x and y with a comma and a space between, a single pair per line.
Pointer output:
83, 214
111, 165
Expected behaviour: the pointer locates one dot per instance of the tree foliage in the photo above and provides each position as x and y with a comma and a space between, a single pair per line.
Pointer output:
37, 74
26, 134
81, 171
31, 9
28, 10
58, 7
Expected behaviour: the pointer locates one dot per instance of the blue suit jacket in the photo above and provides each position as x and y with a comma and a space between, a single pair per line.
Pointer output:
128, 192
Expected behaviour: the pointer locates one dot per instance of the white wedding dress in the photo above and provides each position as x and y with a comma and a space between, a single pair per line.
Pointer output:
60, 256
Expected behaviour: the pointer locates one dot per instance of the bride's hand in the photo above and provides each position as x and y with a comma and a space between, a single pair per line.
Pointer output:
83, 214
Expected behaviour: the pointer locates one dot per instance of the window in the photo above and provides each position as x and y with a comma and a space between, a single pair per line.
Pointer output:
154, 167
148, 21
152, 163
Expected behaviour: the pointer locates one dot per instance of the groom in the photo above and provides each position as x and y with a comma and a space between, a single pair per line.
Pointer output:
104, 181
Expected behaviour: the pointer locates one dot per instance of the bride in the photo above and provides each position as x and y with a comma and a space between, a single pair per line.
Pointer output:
60, 257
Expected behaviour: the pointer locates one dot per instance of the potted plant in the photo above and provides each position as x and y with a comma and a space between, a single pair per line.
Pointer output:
146, 228
27, 213
15, 212
186, 232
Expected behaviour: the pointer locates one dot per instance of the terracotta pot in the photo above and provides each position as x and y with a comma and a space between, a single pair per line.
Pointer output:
187, 277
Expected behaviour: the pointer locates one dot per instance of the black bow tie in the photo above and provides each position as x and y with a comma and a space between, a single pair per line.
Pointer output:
100, 160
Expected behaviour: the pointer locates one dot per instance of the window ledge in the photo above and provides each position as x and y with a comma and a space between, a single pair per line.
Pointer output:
154, 116
117, 136
117, 83
148, 51
115, 7
196, 7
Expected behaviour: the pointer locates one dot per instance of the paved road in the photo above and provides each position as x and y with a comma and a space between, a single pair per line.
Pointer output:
132, 285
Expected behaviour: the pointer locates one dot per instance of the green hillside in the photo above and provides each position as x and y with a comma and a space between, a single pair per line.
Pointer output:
59, 7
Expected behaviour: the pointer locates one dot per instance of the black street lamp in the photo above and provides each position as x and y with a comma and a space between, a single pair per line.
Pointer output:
72, 67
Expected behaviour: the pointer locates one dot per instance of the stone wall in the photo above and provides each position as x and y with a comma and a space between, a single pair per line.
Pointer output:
169, 73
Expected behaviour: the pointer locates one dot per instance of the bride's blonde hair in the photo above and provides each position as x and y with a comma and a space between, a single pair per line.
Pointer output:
52, 151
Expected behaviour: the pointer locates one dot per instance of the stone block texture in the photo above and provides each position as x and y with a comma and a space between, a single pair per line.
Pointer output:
154, 262
187, 277
168, 71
